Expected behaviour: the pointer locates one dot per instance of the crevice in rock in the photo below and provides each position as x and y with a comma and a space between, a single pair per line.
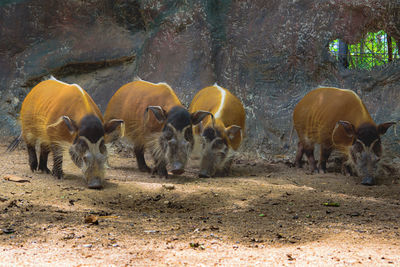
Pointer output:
75, 68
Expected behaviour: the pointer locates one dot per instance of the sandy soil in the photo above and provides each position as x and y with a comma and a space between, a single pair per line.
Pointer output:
266, 213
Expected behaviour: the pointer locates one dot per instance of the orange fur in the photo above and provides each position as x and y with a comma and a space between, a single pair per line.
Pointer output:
130, 102
230, 112
46, 103
316, 115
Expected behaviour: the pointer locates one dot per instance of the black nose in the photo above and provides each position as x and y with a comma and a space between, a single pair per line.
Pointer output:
369, 180
204, 174
95, 183
177, 168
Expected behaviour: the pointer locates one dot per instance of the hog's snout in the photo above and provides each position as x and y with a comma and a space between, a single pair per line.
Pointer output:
368, 180
95, 183
177, 168
204, 174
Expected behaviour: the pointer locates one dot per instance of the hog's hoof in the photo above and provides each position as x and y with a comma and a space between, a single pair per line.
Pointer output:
203, 175
144, 169
311, 172
57, 173
33, 166
161, 172
368, 181
44, 169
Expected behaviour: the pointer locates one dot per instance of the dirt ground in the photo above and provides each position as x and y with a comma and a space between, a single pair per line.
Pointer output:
266, 213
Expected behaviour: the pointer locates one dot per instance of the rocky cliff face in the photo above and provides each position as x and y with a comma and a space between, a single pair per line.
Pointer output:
269, 53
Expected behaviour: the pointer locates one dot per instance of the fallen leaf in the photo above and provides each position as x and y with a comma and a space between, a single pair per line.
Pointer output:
331, 204
13, 178
8, 230
196, 245
109, 217
93, 219
290, 257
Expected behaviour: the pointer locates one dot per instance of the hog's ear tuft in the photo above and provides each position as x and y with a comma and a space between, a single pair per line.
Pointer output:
348, 127
383, 127
233, 131
159, 113
71, 124
198, 116
61, 123
111, 125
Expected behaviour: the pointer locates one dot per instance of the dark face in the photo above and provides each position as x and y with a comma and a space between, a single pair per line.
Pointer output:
366, 152
214, 152
176, 140
366, 149
89, 152
176, 146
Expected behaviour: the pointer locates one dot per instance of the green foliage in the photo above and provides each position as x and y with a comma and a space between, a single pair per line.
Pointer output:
371, 51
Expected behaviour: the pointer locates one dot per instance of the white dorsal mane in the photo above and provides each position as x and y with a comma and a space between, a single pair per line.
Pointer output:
222, 102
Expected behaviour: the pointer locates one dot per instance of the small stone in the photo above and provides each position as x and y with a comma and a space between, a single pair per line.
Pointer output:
69, 236
151, 231
87, 245
169, 186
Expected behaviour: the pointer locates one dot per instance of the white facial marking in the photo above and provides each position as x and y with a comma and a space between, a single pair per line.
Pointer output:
93, 147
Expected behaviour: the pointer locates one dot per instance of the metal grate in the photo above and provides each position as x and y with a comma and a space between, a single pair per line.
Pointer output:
373, 50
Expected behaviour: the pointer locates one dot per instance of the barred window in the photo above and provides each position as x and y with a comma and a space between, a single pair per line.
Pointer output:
375, 49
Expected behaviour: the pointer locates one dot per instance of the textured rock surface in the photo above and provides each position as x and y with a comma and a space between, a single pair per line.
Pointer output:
269, 53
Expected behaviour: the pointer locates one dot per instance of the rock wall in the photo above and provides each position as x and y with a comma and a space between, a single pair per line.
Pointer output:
268, 53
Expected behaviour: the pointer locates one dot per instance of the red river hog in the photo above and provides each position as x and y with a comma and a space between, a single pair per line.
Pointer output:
220, 134
56, 115
338, 119
166, 130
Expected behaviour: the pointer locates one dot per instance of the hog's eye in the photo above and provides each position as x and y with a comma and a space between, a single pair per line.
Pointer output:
168, 135
81, 146
377, 148
102, 147
218, 144
358, 147
189, 134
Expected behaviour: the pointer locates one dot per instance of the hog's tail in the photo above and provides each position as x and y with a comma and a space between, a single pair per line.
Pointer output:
287, 145
13, 145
